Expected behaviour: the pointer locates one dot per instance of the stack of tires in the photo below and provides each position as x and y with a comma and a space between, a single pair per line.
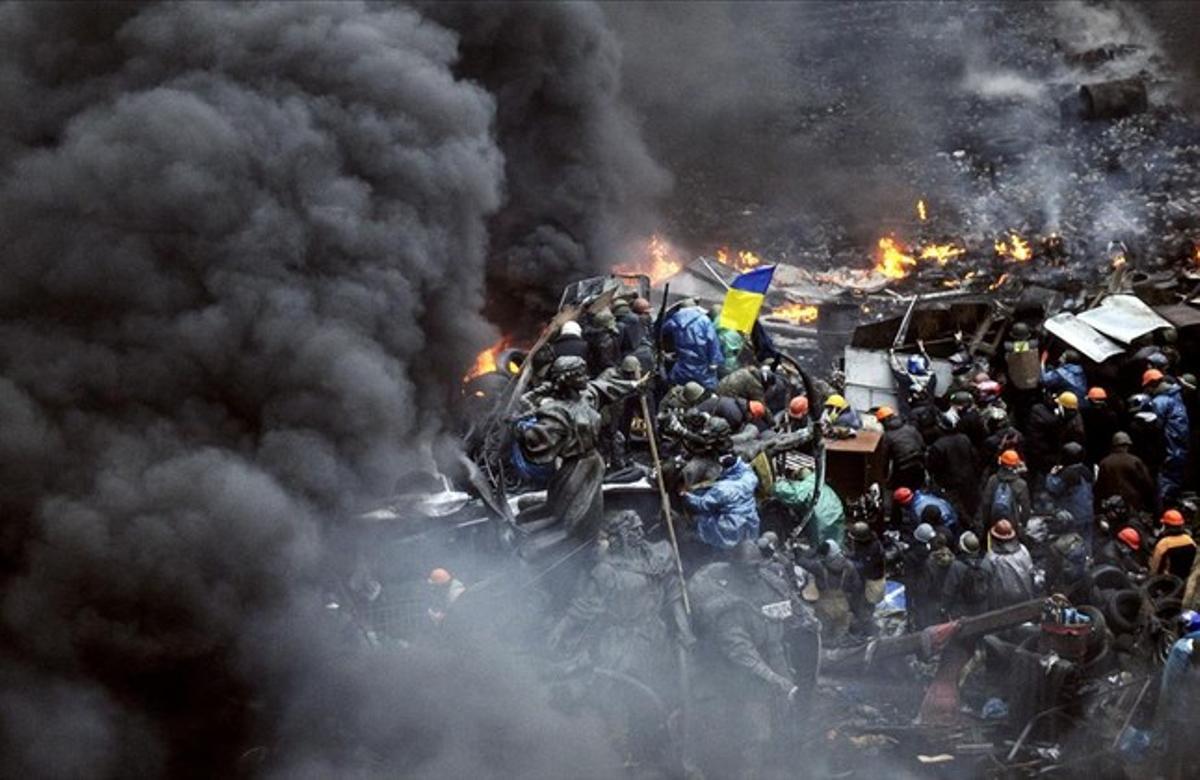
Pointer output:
1135, 612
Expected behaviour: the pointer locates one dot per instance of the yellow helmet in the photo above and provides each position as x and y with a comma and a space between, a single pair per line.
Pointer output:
836, 401
1068, 400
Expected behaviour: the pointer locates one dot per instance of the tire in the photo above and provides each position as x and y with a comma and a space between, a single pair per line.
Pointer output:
1099, 628
1122, 610
1163, 586
1168, 609
1108, 577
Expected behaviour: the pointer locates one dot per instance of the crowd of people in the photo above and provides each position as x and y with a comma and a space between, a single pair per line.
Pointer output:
1014, 482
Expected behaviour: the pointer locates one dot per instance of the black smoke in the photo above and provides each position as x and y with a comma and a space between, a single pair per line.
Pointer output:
581, 184
244, 254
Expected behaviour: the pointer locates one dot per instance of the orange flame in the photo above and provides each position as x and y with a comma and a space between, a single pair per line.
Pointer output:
485, 361
1014, 247
922, 214
799, 313
893, 262
660, 262
942, 253
743, 261
1196, 253
1119, 261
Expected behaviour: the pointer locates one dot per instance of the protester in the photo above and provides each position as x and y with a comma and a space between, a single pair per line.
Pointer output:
1006, 494
913, 509
839, 417
1121, 473
866, 553
953, 463
1175, 551
725, 511
969, 580
1012, 567
903, 449
1168, 404
690, 335
1070, 486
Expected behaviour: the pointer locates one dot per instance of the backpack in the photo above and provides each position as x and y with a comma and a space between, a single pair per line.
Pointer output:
976, 584
1004, 502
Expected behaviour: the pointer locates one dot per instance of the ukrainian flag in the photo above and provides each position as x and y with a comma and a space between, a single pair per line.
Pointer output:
744, 299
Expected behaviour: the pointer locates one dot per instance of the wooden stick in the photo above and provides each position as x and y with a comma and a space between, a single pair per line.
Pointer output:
665, 499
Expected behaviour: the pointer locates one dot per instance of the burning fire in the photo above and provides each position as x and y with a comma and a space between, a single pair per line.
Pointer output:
744, 261
799, 313
893, 262
942, 253
1196, 253
1014, 247
921, 213
660, 262
1119, 261
485, 361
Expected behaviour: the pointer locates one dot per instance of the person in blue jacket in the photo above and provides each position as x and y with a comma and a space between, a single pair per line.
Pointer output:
1168, 403
913, 504
1068, 376
697, 348
1070, 484
725, 511
1175, 715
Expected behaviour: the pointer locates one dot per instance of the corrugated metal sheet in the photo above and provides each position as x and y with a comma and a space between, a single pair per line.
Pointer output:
1094, 345
1123, 318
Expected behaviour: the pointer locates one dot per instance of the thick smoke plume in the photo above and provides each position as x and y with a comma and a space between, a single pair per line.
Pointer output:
581, 184
244, 248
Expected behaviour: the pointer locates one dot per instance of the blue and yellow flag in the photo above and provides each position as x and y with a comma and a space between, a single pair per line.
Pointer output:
745, 298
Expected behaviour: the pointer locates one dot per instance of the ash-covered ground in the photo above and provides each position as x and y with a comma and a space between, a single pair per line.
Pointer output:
805, 131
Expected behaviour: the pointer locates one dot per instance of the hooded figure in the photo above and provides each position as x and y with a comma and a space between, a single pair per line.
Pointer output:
1100, 422
1070, 485
725, 511
693, 338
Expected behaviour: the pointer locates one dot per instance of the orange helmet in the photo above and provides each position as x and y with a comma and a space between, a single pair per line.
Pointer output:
1003, 531
757, 410
439, 577
1097, 394
1151, 376
1173, 518
798, 407
902, 496
1010, 458
1130, 538
884, 412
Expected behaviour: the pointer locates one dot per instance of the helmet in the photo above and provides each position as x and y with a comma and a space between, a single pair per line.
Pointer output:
620, 307
604, 319
837, 402
1121, 439
828, 548
1151, 376
641, 306
969, 543
924, 533
961, 398
439, 576
1067, 400
860, 532
1114, 505
995, 417
1003, 531
631, 365
1020, 332
1070, 356
1130, 538
798, 407
988, 391
1189, 621
693, 392
960, 363
1072, 453
1010, 458
1158, 360
1139, 402
917, 364
884, 412
1172, 518
566, 366
902, 496
625, 524
1188, 381
1097, 394
570, 328
746, 553
756, 409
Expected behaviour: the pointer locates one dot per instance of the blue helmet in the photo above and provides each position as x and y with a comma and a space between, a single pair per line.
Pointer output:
1189, 621
917, 364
